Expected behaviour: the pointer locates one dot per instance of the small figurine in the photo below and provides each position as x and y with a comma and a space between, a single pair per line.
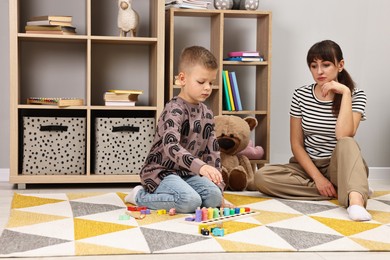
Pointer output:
128, 18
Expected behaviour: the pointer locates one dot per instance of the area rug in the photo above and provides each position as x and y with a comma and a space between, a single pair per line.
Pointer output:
76, 224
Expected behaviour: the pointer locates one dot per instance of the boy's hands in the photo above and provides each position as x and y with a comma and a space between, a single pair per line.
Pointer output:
211, 173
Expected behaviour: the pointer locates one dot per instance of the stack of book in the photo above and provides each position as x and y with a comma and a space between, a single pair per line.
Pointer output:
121, 97
189, 4
50, 24
244, 56
231, 93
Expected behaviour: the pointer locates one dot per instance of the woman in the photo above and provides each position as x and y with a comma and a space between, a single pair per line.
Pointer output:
324, 118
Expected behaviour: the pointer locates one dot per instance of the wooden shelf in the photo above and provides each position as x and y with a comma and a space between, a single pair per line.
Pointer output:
221, 31
84, 66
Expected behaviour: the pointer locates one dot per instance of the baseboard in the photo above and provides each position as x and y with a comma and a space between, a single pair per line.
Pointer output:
376, 173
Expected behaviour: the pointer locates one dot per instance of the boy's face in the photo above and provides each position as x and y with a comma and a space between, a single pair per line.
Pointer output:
197, 84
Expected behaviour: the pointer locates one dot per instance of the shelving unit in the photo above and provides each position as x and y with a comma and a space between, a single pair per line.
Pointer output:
83, 66
221, 31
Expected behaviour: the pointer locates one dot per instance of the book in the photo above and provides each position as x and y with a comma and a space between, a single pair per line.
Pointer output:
50, 32
61, 18
126, 91
111, 96
226, 93
236, 92
243, 53
120, 103
187, 4
229, 88
259, 58
50, 28
61, 102
49, 22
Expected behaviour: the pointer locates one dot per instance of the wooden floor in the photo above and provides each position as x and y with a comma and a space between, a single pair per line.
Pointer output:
7, 190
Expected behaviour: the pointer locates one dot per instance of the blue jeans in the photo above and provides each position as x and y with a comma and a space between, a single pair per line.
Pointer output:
185, 194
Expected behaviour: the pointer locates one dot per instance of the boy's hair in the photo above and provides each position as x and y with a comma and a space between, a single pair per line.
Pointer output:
197, 55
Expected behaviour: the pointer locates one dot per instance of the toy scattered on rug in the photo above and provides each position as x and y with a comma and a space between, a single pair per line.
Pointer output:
233, 135
218, 215
128, 18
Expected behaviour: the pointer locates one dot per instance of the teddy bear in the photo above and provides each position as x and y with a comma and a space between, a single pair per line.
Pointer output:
233, 135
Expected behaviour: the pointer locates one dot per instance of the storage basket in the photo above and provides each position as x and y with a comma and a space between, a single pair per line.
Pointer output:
122, 144
53, 145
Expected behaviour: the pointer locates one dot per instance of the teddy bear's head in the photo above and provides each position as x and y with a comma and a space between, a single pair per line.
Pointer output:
233, 132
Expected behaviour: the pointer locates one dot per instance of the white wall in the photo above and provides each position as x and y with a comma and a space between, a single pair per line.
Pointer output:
360, 27
363, 32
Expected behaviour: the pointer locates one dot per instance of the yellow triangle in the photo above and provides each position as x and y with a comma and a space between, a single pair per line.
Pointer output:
346, 227
236, 226
234, 246
21, 218
122, 196
154, 218
238, 200
380, 216
379, 194
23, 201
267, 217
88, 228
82, 249
82, 195
372, 245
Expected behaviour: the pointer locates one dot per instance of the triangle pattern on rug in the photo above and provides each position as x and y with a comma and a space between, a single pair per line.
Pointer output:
89, 228
159, 240
25, 242
22, 218
307, 208
61, 224
82, 209
24, 201
302, 239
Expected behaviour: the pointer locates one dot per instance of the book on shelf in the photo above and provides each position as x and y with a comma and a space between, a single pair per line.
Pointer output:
226, 99
235, 90
60, 18
49, 22
61, 102
257, 58
229, 88
112, 96
126, 91
187, 4
243, 54
120, 103
50, 29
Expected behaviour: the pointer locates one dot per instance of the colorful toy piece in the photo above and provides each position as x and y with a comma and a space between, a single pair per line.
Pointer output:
212, 216
161, 211
218, 232
136, 208
172, 212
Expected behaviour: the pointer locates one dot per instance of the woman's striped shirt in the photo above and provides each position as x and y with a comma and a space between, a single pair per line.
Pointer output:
318, 121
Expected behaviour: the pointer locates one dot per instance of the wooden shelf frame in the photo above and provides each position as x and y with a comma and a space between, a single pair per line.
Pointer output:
153, 41
217, 20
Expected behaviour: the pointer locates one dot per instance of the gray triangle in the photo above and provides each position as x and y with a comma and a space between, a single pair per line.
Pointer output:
384, 201
307, 208
161, 240
80, 209
303, 239
14, 242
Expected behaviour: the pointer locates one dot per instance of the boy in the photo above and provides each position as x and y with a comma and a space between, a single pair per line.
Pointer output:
183, 168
